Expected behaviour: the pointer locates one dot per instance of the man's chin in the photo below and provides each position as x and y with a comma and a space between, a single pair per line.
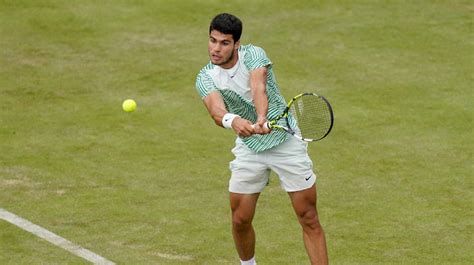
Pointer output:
216, 62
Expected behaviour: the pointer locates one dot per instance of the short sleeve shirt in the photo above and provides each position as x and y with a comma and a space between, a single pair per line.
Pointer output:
234, 87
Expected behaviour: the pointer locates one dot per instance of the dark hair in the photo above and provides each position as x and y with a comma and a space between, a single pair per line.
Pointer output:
227, 24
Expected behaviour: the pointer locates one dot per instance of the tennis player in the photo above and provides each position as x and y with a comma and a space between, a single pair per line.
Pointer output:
239, 90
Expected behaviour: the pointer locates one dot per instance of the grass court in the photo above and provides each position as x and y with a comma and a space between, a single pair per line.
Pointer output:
395, 175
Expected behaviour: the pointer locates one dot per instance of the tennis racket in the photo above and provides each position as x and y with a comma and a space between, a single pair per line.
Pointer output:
313, 114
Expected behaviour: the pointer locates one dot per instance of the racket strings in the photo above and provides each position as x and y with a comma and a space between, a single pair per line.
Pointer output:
313, 116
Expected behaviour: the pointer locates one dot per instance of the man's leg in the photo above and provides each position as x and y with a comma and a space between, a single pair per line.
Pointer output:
243, 210
304, 203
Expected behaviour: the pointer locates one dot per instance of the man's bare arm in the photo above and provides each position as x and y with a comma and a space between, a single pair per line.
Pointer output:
216, 108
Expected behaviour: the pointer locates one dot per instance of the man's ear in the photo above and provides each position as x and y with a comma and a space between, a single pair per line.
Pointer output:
237, 45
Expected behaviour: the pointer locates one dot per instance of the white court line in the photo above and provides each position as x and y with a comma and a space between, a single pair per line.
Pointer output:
53, 238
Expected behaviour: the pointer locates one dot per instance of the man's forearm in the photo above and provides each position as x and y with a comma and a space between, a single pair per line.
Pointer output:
261, 102
258, 84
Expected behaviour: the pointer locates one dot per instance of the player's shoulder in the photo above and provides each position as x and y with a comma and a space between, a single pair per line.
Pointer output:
204, 81
252, 52
251, 48
205, 72
254, 57
206, 69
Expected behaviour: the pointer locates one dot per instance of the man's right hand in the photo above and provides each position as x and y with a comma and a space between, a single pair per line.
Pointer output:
243, 127
261, 126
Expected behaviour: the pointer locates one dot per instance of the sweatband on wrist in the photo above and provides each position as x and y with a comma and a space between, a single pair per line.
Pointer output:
228, 119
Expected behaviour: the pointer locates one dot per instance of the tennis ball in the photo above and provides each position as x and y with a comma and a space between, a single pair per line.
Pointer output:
129, 105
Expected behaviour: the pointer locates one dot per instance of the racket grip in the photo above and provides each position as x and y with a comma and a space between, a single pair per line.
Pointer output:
266, 125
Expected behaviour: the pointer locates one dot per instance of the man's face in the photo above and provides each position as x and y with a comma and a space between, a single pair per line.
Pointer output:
222, 49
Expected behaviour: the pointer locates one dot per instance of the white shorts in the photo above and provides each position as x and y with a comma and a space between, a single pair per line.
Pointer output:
289, 160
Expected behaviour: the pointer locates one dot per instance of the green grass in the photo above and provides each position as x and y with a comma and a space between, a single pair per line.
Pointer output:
395, 175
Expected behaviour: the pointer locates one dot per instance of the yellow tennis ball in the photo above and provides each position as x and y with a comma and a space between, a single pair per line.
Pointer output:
129, 105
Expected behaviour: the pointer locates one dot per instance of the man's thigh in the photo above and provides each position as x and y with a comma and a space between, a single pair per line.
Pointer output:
249, 172
291, 162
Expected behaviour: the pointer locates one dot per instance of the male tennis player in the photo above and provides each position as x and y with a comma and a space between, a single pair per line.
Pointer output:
240, 92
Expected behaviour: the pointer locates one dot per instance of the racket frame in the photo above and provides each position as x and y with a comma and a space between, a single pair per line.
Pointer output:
273, 123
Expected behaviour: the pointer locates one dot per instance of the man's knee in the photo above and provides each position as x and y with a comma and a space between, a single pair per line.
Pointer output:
241, 222
309, 220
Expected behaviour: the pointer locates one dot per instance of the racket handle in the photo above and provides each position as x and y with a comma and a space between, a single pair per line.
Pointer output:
266, 125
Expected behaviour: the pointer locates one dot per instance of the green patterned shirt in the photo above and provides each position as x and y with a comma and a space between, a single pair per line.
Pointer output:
234, 86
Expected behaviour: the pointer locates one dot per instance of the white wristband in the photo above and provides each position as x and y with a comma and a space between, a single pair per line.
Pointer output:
228, 119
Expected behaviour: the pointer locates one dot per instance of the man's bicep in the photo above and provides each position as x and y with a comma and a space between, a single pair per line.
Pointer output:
259, 74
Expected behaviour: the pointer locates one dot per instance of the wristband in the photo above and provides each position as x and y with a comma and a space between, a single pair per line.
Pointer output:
228, 119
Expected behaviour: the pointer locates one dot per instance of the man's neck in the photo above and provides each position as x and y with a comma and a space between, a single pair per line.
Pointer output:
232, 62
